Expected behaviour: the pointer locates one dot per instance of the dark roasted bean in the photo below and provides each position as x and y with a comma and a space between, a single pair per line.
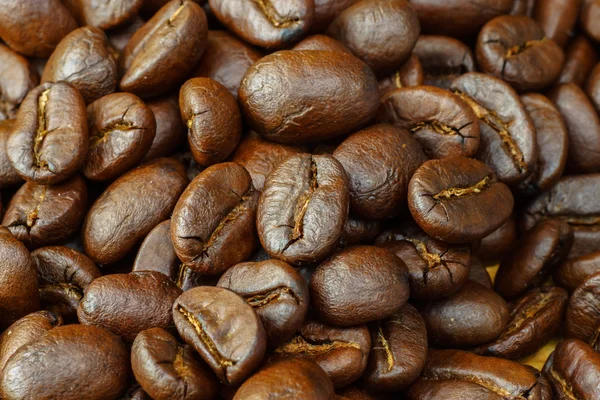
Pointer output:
17, 77
579, 61
582, 317
574, 271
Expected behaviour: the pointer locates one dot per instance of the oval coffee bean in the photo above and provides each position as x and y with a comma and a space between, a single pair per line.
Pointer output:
170, 131
122, 129
213, 223
17, 78
103, 15
399, 351
169, 370
39, 215
156, 58
119, 219
574, 271
458, 200
223, 329
65, 363
494, 246
410, 73
557, 19
127, 304
341, 95
342, 288
582, 317
49, 142
589, 18
8, 174
442, 123
341, 352
281, 303
303, 208
213, 120
580, 58
472, 316
156, 252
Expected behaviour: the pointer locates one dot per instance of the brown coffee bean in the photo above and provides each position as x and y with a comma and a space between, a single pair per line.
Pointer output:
410, 73
557, 19
342, 288
580, 58
496, 244
458, 200
303, 209
223, 329
339, 95
589, 18
399, 351
479, 273
156, 58
359, 231
8, 174
213, 222
523, 7
574, 271
39, 215
593, 87
104, 15
17, 78
49, 142
213, 120
156, 252
66, 363
119, 219
170, 131
169, 370
443, 124
582, 317
119, 37
534, 319
321, 42
281, 303
472, 316
534, 258
326, 11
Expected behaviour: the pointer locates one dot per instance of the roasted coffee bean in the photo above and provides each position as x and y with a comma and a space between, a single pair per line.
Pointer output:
557, 19
593, 87
8, 174
213, 119
457, 18
266, 23
399, 351
379, 162
496, 244
582, 317
39, 215
213, 224
34, 27
67, 363
156, 252
382, 33
223, 329
303, 209
130, 207
472, 316
341, 352
294, 379
443, 124
119, 37
580, 58
536, 255
435, 269
104, 15
313, 95
25, 331
508, 140
49, 140
342, 288
410, 73
479, 273
122, 129
458, 200
552, 141
127, 304
83, 59
170, 131
169, 370
359, 231
321, 42
443, 59
523, 7
63, 276
568, 200
534, 319
281, 303
583, 126
326, 11
574, 271
589, 18
455, 374
156, 58
17, 77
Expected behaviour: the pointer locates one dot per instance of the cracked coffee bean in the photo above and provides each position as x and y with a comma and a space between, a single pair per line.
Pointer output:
17, 77
224, 329
582, 317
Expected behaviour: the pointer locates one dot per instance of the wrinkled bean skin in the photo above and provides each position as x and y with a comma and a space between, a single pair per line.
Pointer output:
8, 174
496, 244
155, 59
534, 319
104, 15
574, 271
17, 77
582, 317
233, 349
39, 215
49, 140
399, 351
169, 370
410, 73
557, 18
117, 221
213, 223
170, 130
447, 197
343, 287
442, 123
301, 106
303, 209
281, 303
379, 162
68, 361
580, 58
143, 300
